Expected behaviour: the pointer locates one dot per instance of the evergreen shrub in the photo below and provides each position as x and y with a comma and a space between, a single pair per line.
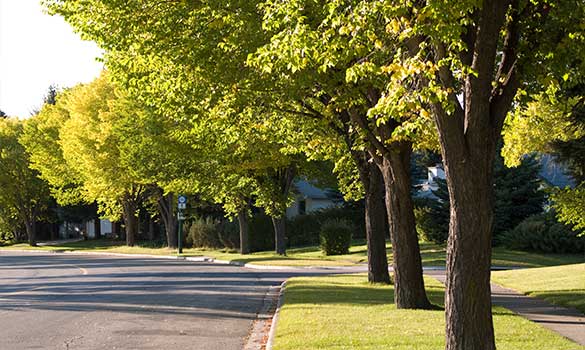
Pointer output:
543, 233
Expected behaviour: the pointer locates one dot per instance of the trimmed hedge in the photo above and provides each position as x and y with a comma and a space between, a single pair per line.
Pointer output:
335, 237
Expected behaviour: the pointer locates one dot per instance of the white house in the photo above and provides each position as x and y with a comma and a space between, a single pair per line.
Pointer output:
78, 229
310, 198
425, 189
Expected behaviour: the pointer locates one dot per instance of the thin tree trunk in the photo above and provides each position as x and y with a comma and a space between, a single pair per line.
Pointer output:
284, 179
375, 212
375, 217
97, 228
30, 226
150, 228
165, 208
244, 231
131, 221
279, 225
409, 288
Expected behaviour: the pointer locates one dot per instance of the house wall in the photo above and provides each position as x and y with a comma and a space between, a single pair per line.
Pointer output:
311, 206
317, 204
105, 228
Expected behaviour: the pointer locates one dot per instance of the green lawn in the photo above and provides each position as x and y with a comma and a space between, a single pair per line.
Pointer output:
432, 254
345, 312
562, 285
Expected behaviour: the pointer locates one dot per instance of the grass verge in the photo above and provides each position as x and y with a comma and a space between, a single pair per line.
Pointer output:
561, 285
432, 254
345, 312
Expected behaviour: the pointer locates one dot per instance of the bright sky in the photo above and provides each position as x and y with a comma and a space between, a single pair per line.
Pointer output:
37, 50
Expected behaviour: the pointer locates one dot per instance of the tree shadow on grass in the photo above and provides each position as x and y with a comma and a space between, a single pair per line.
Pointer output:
568, 298
350, 294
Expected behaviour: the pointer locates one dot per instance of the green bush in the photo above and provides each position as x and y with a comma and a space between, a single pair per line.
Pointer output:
543, 233
303, 230
335, 237
432, 223
6, 238
203, 232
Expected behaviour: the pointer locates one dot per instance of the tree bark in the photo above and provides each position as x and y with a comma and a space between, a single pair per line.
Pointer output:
97, 228
150, 228
283, 180
279, 225
165, 208
244, 231
468, 294
375, 217
375, 212
30, 226
130, 220
409, 288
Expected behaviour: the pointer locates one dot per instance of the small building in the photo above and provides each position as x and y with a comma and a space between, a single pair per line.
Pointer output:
426, 188
69, 230
310, 198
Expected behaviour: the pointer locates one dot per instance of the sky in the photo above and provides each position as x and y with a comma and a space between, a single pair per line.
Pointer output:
37, 50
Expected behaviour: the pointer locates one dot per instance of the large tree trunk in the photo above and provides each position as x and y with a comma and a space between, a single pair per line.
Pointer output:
468, 295
279, 225
375, 216
409, 288
244, 231
131, 221
165, 208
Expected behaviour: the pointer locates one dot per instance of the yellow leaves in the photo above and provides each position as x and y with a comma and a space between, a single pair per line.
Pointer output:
393, 27
379, 44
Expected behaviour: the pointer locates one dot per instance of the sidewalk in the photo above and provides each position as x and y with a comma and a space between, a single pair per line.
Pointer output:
569, 323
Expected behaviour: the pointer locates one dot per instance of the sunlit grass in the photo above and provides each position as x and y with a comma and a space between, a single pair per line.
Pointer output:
562, 285
345, 312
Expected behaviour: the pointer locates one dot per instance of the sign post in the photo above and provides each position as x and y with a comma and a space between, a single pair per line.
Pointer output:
182, 205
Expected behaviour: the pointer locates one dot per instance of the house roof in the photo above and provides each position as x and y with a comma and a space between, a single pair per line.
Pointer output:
308, 190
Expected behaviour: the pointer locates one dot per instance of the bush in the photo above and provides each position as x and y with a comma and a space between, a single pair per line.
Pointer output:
6, 237
303, 230
203, 232
432, 223
543, 233
335, 236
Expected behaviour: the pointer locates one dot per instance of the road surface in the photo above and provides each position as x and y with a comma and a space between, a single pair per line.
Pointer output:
59, 301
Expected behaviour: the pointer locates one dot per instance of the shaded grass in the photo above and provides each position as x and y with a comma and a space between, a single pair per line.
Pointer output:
345, 312
561, 285
432, 254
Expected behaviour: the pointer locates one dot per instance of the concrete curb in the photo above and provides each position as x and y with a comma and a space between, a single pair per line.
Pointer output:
206, 259
261, 326
272, 334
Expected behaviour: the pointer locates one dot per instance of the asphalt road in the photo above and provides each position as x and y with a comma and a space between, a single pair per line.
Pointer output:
56, 301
